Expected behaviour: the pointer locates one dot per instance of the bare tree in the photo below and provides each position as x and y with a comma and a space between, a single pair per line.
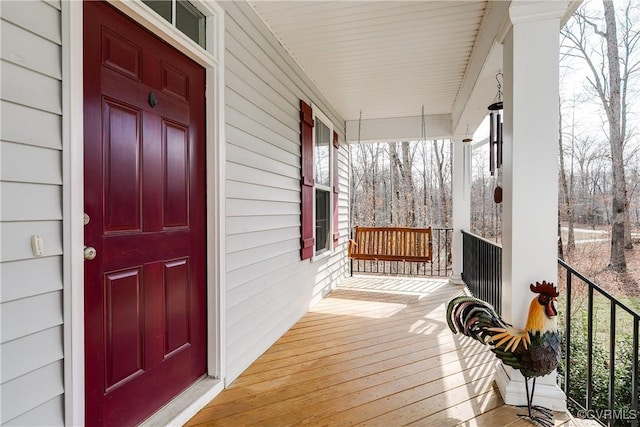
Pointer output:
390, 187
427, 208
438, 151
567, 196
402, 179
597, 43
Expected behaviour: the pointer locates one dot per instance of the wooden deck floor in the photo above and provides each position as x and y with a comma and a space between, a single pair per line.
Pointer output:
376, 352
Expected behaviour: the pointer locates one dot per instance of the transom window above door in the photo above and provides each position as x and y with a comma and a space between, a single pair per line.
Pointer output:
183, 15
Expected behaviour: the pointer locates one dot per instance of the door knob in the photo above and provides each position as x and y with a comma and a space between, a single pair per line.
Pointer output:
89, 253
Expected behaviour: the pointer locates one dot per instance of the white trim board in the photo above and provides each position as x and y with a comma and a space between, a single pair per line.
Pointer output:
73, 189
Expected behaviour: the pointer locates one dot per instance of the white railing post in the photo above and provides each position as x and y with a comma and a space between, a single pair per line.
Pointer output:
460, 204
530, 174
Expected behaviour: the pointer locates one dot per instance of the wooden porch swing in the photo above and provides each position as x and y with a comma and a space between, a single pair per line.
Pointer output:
402, 244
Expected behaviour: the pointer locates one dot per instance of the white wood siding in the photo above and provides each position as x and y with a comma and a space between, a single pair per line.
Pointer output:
268, 288
31, 337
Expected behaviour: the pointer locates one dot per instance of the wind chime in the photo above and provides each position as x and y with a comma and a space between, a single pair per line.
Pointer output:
495, 137
495, 130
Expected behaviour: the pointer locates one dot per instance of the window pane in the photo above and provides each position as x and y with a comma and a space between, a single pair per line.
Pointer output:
161, 7
323, 206
321, 154
190, 21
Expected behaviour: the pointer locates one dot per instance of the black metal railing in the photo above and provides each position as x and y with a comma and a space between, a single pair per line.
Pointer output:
440, 265
599, 370
482, 268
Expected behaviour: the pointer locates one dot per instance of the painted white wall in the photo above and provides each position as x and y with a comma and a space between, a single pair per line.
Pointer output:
31, 316
268, 287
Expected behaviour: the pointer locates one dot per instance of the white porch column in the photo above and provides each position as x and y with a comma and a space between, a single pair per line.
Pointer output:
530, 167
460, 205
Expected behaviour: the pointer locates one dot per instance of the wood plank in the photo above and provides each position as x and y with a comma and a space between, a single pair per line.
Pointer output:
31, 89
290, 131
240, 79
260, 208
37, 202
15, 238
364, 329
238, 259
328, 348
245, 224
35, 16
405, 364
21, 279
391, 356
289, 154
30, 315
239, 120
251, 64
239, 172
30, 51
330, 378
322, 320
362, 323
507, 415
413, 371
47, 134
414, 404
30, 391
258, 161
245, 276
463, 411
50, 413
240, 242
31, 352
25, 163
333, 395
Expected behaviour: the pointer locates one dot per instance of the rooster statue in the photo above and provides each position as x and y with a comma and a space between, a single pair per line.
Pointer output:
534, 350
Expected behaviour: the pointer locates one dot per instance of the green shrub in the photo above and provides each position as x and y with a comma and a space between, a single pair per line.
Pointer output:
600, 372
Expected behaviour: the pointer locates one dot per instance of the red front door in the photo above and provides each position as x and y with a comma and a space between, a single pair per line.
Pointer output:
145, 295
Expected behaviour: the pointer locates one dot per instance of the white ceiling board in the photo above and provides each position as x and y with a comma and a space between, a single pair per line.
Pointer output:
386, 58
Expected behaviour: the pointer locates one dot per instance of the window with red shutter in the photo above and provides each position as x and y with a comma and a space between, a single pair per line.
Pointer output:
336, 189
306, 142
319, 186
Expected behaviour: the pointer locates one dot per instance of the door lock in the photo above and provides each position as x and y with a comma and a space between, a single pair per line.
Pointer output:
89, 253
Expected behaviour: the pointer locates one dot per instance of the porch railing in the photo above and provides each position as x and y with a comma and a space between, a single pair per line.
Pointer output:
440, 265
482, 268
599, 371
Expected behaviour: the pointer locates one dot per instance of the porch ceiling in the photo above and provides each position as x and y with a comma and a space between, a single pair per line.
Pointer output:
390, 58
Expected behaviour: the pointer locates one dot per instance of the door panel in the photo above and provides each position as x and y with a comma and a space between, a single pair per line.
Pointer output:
122, 130
176, 274
125, 329
145, 294
175, 140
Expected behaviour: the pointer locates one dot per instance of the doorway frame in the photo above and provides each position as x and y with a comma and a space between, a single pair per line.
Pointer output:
212, 60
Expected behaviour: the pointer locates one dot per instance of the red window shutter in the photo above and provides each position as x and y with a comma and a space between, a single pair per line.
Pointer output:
307, 242
336, 189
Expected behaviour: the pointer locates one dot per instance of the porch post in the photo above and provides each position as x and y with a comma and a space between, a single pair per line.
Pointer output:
530, 168
460, 204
